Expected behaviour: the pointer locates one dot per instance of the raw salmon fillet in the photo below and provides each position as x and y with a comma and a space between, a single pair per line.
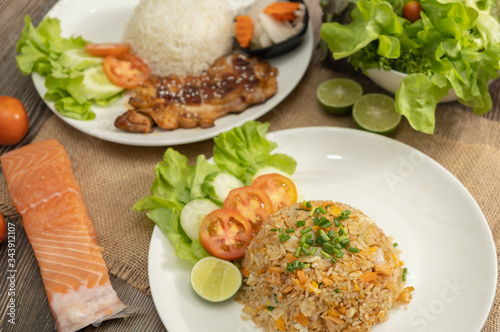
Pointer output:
46, 194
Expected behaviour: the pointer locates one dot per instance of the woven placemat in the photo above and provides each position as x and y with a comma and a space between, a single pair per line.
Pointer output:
113, 177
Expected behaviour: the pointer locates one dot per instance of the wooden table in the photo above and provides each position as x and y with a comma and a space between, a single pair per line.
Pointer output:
31, 306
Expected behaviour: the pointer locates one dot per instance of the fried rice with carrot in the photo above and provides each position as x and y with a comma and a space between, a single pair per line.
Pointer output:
321, 266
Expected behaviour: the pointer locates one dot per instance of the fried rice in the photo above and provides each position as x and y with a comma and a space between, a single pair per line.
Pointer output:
322, 289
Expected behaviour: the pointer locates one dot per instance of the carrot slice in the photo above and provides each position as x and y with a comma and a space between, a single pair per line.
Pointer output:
282, 10
243, 30
369, 276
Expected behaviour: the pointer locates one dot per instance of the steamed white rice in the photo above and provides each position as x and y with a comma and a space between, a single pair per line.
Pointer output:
180, 37
353, 293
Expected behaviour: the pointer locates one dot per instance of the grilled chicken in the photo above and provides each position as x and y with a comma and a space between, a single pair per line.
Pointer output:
230, 85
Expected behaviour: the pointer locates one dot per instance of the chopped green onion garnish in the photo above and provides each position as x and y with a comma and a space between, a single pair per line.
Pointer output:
308, 204
324, 253
331, 234
270, 308
340, 254
322, 210
334, 260
297, 252
319, 241
289, 267
301, 223
289, 230
313, 250
309, 241
336, 222
274, 229
295, 265
326, 224
316, 221
280, 229
284, 237
304, 250
323, 236
306, 230
405, 270
337, 290
353, 249
395, 244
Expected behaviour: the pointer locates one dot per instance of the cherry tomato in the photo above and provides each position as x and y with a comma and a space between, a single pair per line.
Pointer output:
251, 202
125, 70
3, 229
13, 120
104, 49
225, 234
280, 189
411, 11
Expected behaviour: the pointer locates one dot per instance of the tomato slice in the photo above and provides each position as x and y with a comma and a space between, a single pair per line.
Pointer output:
251, 202
125, 70
225, 234
280, 189
103, 49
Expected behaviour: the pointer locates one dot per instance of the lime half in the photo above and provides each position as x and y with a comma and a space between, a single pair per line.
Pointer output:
215, 279
338, 94
375, 112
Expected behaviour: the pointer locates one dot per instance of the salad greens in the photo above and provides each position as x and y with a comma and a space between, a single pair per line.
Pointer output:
240, 152
73, 78
455, 45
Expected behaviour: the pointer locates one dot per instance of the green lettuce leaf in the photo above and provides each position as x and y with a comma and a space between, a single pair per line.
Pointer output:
74, 79
244, 150
455, 45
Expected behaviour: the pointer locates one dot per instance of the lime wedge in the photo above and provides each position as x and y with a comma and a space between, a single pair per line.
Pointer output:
375, 112
215, 279
338, 95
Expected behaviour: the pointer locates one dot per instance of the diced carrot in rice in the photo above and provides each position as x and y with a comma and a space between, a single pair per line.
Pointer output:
281, 324
382, 269
302, 277
326, 281
301, 319
369, 276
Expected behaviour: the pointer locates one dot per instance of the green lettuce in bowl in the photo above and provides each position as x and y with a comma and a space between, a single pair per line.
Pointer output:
454, 46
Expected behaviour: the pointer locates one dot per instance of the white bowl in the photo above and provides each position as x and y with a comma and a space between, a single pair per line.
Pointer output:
390, 80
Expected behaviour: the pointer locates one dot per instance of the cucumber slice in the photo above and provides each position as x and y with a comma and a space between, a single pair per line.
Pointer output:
218, 185
78, 59
96, 84
193, 213
270, 170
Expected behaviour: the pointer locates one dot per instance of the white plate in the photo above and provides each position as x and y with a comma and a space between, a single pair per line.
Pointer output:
104, 21
446, 242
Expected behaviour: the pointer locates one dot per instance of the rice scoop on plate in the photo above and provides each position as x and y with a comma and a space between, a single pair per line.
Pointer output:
180, 37
321, 266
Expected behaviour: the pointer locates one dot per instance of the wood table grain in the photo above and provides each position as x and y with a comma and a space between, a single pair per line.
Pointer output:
31, 306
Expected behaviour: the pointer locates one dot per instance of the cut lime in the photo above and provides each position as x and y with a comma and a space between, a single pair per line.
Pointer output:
338, 94
215, 279
375, 112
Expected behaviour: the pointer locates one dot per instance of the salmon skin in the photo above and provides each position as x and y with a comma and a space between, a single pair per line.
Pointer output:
46, 194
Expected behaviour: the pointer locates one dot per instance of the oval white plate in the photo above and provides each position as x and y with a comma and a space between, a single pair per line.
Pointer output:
104, 21
446, 242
